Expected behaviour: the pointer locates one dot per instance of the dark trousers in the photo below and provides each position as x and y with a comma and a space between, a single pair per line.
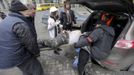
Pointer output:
83, 59
31, 67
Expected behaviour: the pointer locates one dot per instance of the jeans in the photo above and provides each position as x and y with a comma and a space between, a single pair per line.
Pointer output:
31, 67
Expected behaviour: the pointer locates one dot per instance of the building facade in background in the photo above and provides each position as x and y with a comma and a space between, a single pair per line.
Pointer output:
5, 4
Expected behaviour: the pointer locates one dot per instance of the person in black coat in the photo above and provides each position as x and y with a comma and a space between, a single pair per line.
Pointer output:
67, 17
96, 44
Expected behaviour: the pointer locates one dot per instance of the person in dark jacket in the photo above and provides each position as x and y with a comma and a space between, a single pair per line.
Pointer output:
18, 45
67, 17
97, 44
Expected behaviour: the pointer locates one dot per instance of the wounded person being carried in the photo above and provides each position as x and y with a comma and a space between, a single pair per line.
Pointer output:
66, 37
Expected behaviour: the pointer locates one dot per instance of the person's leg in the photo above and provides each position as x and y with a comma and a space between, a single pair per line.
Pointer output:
82, 61
61, 39
31, 67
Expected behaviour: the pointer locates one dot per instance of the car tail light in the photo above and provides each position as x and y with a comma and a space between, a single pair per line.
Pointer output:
124, 44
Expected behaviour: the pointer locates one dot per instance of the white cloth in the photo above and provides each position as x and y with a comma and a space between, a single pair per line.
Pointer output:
74, 36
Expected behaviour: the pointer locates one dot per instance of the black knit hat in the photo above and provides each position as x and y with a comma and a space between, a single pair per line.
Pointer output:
16, 5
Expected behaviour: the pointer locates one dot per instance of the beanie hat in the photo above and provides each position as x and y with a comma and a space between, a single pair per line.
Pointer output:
16, 5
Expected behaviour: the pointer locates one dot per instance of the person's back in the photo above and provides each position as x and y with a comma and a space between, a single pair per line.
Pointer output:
11, 51
18, 41
102, 41
99, 40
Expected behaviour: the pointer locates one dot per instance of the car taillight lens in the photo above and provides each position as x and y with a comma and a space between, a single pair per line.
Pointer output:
125, 44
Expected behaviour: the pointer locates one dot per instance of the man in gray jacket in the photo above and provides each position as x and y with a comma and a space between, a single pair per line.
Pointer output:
18, 41
97, 44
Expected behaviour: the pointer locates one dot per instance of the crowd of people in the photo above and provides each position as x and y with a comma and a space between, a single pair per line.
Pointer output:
19, 46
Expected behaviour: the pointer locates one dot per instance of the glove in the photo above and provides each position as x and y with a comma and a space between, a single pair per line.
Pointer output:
82, 42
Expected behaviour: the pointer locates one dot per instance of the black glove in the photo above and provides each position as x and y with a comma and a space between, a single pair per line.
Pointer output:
82, 42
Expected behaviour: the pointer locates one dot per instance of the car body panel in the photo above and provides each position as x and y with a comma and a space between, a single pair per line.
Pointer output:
105, 5
130, 33
120, 58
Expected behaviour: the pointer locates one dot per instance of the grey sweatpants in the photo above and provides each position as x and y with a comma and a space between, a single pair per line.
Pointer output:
31, 67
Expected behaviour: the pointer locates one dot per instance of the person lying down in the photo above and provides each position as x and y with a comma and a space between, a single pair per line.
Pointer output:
67, 37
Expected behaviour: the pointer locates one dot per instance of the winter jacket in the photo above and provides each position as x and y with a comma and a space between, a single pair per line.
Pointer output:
64, 20
19, 42
102, 40
52, 27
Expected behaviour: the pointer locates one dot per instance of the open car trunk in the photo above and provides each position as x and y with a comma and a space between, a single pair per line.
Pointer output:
106, 5
118, 23
119, 8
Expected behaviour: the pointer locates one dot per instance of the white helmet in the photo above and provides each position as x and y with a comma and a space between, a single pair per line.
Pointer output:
53, 9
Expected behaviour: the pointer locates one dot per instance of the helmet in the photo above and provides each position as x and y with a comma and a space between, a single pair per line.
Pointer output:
53, 9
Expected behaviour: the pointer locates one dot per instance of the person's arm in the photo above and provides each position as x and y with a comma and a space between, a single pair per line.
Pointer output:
74, 19
52, 24
93, 37
26, 38
61, 18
